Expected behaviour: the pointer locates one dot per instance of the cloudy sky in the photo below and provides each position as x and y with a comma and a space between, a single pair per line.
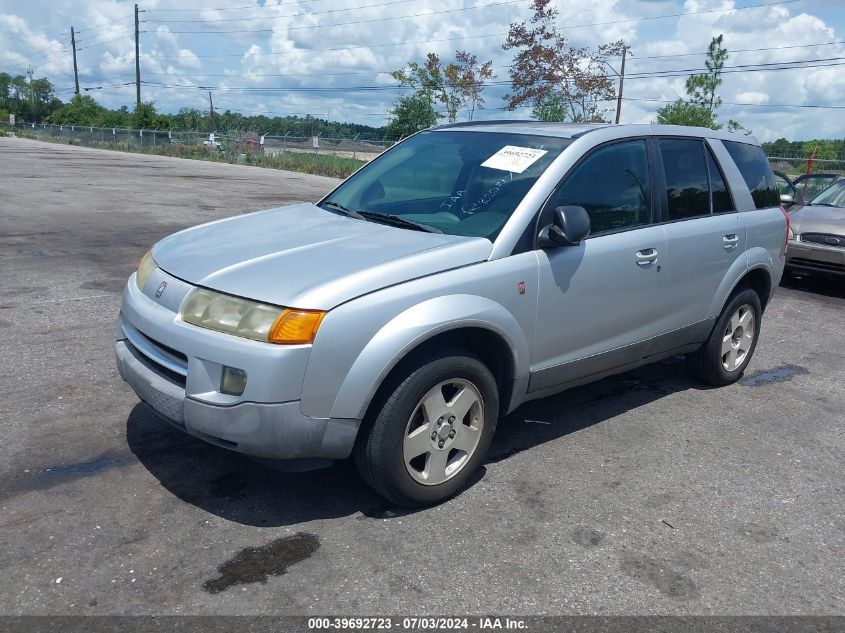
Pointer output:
331, 58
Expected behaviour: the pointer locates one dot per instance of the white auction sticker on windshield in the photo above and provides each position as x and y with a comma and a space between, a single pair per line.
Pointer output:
513, 158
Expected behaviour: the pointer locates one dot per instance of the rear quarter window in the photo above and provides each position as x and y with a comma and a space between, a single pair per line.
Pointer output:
757, 173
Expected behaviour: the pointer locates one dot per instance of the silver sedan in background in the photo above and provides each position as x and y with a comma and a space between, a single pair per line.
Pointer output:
817, 233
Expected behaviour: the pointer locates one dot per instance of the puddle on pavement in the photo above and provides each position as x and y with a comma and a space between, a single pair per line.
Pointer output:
778, 374
256, 564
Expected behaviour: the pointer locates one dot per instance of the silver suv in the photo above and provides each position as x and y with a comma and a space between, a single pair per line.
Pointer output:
465, 271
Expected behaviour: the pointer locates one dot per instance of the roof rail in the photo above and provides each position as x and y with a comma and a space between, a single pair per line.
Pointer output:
598, 127
490, 122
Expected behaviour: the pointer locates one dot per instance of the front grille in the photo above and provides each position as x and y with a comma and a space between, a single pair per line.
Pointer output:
167, 349
817, 265
826, 239
164, 372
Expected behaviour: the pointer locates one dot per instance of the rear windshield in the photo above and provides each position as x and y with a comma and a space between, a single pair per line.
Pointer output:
758, 174
458, 182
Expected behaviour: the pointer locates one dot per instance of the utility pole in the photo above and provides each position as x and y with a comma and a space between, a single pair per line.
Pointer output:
210, 109
137, 64
75, 71
621, 84
31, 91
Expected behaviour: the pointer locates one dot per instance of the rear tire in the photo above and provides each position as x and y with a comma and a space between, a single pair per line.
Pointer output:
731, 344
431, 431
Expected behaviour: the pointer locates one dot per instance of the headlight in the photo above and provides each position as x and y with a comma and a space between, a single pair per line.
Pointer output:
145, 267
791, 234
250, 319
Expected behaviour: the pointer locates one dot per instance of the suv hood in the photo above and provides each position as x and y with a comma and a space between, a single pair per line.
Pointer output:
305, 257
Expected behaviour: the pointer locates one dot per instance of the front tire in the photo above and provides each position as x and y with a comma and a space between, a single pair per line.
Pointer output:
422, 442
728, 350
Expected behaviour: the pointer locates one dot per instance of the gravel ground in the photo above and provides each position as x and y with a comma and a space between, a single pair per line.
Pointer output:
641, 494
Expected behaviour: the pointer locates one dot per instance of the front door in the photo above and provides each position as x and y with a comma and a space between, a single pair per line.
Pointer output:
601, 301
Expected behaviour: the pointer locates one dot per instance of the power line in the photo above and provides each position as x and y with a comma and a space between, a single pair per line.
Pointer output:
107, 33
755, 105
678, 15
125, 36
739, 70
291, 15
500, 67
692, 71
745, 50
348, 48
97, 26
253, 6
576, 26
745, 68
370, 20
483, 36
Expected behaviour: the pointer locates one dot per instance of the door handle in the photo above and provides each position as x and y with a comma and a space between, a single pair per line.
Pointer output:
646, 256
730, 241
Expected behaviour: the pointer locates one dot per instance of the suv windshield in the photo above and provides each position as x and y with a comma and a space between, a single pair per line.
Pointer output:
833, 196
461, 183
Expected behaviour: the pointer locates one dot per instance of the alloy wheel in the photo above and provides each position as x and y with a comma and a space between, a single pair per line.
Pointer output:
443, 432
738, 337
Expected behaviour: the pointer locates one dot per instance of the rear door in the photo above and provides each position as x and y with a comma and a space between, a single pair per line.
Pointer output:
705, 233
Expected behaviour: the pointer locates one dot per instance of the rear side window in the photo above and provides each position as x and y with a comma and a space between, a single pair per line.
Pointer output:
757, 172
687, 189
720, 196
612, 184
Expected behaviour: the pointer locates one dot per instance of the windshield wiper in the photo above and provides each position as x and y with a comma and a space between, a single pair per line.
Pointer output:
825, 204
339, 207
399, 221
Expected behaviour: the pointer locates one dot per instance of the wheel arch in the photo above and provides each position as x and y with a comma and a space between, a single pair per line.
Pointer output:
476, 325
758, 277
488, 345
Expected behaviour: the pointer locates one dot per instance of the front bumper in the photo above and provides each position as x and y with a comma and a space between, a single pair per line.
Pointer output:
815, 257
175, 368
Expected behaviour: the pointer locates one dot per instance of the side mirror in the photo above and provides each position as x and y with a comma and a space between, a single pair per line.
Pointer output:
571, 225
787, 199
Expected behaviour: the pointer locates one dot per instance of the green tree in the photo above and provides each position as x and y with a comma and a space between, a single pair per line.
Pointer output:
428, 81
82, 110
699, 109
702, 88
552, 107
146, 117
409, 115
686, 113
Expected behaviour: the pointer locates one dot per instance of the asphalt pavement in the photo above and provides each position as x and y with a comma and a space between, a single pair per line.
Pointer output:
644, 493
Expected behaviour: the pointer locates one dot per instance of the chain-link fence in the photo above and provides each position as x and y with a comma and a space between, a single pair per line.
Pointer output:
340, 156
794, 166
243, 146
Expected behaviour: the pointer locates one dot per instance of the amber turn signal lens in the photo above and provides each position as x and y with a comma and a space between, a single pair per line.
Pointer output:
294, 327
